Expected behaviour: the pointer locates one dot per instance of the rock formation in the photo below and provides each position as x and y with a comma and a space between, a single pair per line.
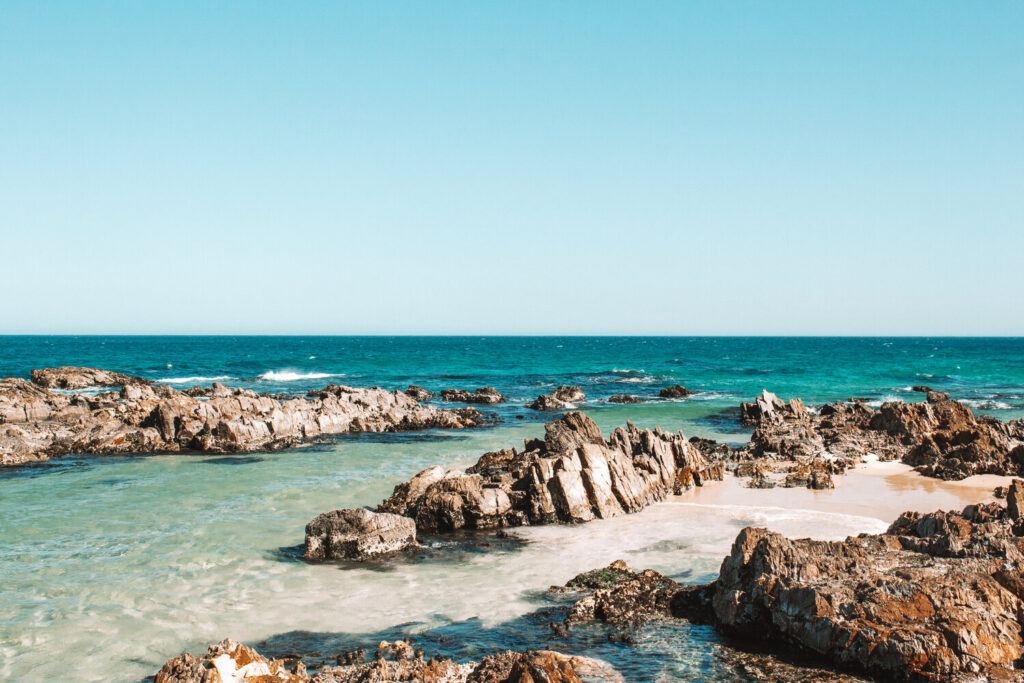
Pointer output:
486, 395
419, 393
231, 662
942, 438
572, 475
562, 398
37, 424
357, 534
677, 391
82, 378
936, 597
625, 398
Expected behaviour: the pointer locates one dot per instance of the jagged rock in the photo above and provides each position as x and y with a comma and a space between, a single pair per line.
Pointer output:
419, 393
357, 534
937, 396
936, 597
487, 395
82, 378
921, 388
560, 399
677, 391
942, 438
573, 475
626, 598
231, 662
37, 424
625, 398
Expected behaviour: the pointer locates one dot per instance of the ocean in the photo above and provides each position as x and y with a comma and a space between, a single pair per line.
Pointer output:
112, 565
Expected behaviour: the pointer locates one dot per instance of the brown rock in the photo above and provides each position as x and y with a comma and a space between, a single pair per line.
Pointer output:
560, 399
937, 597
625, 398
487, 395
357, 534
419, 393
82, 378
677, 391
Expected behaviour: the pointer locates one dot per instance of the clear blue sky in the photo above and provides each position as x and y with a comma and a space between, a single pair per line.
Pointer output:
518, 167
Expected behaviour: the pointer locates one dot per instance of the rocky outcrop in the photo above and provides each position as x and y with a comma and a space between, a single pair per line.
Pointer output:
572, 475
562, 398
942, 438
621, 596
936, 597
625, 398
82, 378
357, 534
419, 393
231, 662
37, 424
677, 391
485, 395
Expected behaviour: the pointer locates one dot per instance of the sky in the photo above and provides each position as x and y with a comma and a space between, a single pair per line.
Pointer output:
512, 167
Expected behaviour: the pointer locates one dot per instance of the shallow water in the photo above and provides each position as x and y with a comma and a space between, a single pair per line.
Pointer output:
110, 566
113, 565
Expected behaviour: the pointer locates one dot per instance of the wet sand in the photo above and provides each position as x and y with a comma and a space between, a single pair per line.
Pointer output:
881, 490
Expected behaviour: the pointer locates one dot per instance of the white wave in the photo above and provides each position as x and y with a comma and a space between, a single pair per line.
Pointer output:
635, 380
986, 404
292, 376
184, 380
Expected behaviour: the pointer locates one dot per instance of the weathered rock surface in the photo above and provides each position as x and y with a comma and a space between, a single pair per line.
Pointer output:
573, 475
943, 438
936, 597
562, 398
82, 378
625, 398
621, 596
357, 534
231, 662
485, 395
419, 393
677, 391
37, 424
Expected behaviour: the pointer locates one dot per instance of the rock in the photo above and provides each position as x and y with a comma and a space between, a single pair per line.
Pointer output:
942, 438
1015, 499
82, 378
677, 391
625, 398
936, 597
573, 475
357, 534
764, 408
231, 662
36, 424
627, 598
937, 396
419, 393
487, 395
561, 398
924, 389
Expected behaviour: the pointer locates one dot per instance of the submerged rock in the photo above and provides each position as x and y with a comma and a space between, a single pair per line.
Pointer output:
231, 662
573, 475
677, 391
486, 395
357, 534
560, 399
37, 424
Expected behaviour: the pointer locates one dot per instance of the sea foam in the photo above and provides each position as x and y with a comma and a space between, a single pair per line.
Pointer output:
292, 376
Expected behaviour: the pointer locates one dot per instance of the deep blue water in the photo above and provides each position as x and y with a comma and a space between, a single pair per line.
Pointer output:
986, 372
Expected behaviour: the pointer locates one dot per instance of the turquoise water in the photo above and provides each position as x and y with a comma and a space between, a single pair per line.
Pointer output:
110, 566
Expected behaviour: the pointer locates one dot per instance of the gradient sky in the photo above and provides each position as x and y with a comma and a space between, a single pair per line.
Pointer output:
483, 167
